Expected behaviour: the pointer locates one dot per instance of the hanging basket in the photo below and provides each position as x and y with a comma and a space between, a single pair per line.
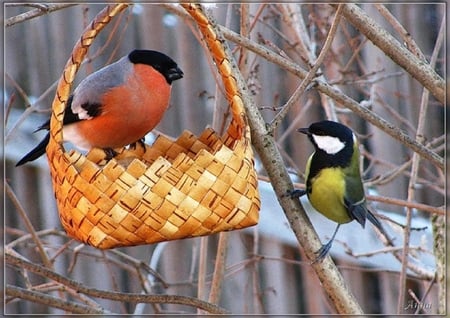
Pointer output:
191, 186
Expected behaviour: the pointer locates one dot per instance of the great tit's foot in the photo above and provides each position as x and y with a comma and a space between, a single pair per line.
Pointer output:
110, 153
322, 252
295, 194
141, 143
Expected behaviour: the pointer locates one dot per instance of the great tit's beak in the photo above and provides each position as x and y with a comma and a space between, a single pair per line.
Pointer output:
304, 131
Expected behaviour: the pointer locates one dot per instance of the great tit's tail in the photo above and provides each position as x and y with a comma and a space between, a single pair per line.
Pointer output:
373, 219
38, 151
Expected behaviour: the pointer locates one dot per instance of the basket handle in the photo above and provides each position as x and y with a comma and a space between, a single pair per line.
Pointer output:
226, 66
219, 50
73, 64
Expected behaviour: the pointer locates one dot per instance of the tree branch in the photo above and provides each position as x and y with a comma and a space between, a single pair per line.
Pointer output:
219, 268
266, 147
28, 225
323, 87
413, 180
51, 301
406, 37
418, 69
131, 297
41, 10
311, 73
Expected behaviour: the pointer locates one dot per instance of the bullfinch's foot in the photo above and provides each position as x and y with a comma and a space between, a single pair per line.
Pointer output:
110, 153
141, 143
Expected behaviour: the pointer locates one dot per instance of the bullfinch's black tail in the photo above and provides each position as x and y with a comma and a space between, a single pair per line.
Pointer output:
38, 151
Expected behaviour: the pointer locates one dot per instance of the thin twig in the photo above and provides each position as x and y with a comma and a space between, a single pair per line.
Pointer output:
29, 226
385, 250
419, 70
219, 269
327, 89
407, 232
412, 181
293, 124
256, 287
221, 253
392, 130
202, 261
333, 282
408, 204
138, 264
307, 49
30, 236
118, 296
311, 73
383, 199
52, 301
425, 294
47, 8
406, 36
439, 222
291, 14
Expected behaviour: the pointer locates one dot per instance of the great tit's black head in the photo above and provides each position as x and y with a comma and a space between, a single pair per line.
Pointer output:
329, 136
159, 61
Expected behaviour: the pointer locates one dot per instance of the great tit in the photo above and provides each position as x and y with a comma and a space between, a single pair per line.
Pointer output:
333, 181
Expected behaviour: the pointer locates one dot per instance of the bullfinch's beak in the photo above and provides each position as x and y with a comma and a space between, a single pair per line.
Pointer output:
174, 73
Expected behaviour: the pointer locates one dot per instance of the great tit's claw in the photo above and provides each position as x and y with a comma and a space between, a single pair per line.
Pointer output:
322, 252
295, 194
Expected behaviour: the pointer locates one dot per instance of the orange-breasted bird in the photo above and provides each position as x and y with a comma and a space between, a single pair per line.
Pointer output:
117, 105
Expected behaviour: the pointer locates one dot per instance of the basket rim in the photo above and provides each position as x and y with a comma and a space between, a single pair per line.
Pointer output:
74, 156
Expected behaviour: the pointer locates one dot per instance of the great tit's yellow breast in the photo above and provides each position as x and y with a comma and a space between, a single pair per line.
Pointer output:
326, 194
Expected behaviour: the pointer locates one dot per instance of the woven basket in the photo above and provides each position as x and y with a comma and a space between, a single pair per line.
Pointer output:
191, 186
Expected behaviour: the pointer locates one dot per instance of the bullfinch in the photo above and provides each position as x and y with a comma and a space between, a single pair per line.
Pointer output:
117, 105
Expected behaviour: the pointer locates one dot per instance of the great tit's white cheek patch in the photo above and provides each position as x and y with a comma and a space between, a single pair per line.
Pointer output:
331, 145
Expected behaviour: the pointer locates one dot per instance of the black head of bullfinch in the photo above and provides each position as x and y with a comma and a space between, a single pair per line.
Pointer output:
118, 104
333, 181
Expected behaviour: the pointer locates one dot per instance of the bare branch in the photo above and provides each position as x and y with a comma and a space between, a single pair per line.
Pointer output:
29, 226
323, 87
421, 71
131, 297
41, 10
408, 40
408, 204
219, 269
311, 73
412, 181
333, 282
52, 301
